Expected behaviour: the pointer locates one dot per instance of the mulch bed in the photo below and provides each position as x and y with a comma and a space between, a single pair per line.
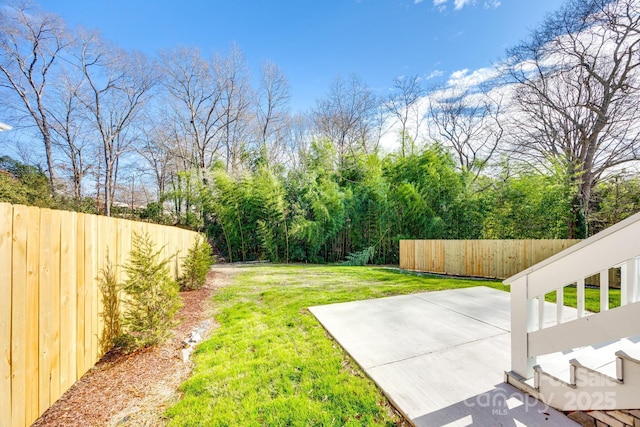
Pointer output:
135, 389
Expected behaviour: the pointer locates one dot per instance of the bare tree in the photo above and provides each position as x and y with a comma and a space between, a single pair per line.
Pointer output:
404, 106
237, 101
210, 106
469, 123
195, 105
578, 92
117, 85
348, 116
156, 150
70, 131
297, 140
31, 45
271, 112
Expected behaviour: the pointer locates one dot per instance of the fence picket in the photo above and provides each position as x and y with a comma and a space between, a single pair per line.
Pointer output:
32, 315
45, 321
6, 212
66, 304
54, 361
91, 289
477, 258
81, 366
18, 316
50, 303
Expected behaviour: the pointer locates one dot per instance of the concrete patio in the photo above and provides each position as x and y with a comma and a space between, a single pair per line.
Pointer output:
439, 357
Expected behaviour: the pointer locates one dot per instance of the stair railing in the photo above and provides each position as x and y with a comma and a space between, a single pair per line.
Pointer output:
537, 330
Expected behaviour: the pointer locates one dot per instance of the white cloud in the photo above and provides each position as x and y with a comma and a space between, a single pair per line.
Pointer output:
417, 1
434, 74
456, 75
492, 4
459, 4
459, 82
464, 79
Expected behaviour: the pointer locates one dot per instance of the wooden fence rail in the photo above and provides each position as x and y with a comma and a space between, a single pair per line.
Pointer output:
50, 305
477, 258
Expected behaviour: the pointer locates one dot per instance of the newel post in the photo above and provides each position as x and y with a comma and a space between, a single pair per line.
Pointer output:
522, 317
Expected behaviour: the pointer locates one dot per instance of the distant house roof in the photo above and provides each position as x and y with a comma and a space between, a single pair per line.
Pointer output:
4, 127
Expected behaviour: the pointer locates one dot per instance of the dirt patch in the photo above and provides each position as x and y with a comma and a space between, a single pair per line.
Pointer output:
135, 389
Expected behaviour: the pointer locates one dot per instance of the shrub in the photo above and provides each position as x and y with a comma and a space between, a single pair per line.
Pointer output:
361, 257
196, 265
108, 285
153, 298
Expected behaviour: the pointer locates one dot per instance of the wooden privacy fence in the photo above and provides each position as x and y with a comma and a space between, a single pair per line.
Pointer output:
477, 258
50, 305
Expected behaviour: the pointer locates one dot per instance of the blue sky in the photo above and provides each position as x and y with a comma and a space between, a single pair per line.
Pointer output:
314, 41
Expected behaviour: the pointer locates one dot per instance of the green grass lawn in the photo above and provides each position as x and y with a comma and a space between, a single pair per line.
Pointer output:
270, 363
591, 298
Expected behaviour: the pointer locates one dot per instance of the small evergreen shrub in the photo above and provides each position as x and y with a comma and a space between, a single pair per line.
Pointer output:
361, 257
196, 265
108, 285
153, 298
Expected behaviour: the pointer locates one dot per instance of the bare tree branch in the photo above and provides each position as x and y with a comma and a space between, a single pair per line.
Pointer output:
469, 123
347, 117
578, 89
118, 84
31, 45
404, 105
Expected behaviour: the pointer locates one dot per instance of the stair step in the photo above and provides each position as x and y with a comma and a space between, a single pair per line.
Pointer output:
600, 358
632, 351
525, 385
586, 376
596, 383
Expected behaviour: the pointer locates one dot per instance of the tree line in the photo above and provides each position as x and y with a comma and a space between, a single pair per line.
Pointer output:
543, 146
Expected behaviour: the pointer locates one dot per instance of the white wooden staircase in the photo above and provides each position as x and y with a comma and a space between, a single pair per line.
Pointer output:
569, 358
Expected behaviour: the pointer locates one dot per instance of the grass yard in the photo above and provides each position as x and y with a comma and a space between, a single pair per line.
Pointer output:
591, 298
270, 363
